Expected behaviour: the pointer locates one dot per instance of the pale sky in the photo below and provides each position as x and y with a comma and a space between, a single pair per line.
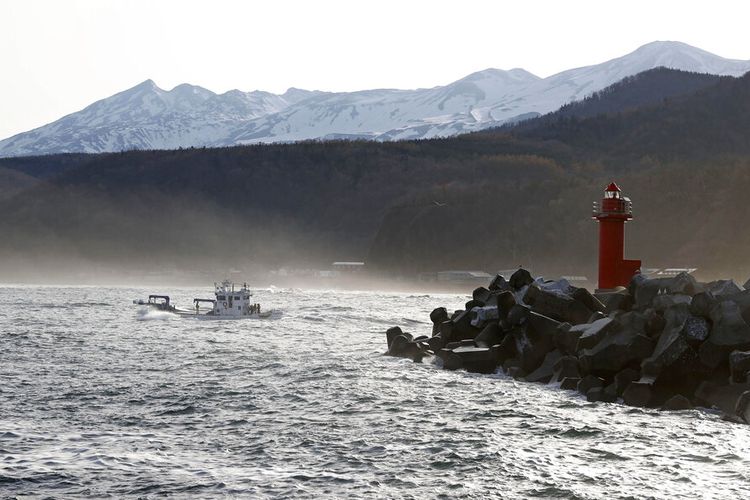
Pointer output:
58, 56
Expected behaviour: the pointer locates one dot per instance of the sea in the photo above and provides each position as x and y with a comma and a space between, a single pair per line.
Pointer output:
101, 398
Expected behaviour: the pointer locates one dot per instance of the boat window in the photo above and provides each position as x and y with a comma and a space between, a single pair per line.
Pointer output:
221, 297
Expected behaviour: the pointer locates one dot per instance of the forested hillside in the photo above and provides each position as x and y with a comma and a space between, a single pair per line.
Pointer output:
644, 89
490, 200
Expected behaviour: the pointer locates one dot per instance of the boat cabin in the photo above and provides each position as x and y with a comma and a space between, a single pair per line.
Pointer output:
232, 301
160, 302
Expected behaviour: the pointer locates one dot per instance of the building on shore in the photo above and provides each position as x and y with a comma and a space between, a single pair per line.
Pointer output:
464, 277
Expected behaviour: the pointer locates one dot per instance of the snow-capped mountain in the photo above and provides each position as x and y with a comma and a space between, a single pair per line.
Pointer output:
147, 117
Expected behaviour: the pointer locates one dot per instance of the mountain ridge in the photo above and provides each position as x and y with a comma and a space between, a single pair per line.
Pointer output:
148, 117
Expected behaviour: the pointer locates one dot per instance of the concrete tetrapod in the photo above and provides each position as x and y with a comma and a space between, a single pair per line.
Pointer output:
672, 343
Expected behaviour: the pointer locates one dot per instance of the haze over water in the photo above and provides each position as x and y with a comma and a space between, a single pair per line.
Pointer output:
98, 397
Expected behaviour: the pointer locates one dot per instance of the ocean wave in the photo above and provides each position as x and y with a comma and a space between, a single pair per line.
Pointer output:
147, 314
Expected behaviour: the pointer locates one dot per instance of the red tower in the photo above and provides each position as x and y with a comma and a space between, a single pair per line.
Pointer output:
614, 211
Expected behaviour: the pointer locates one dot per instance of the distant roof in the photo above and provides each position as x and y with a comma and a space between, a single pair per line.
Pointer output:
348, 263
613, 187
476, 274
575, 278
670, 271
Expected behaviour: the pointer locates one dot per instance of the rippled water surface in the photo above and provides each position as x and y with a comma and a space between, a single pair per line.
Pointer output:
98, 398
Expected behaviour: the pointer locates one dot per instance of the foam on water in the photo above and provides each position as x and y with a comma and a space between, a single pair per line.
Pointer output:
98, 401
149, 314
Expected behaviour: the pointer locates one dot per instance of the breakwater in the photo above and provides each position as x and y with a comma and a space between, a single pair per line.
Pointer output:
669, 343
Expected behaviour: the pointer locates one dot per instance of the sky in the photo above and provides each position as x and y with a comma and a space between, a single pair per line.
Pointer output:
58, 56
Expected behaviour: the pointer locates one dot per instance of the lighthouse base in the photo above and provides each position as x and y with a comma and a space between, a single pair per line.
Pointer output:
621, 275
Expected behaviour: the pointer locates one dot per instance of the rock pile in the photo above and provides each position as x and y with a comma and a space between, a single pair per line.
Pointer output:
669, 343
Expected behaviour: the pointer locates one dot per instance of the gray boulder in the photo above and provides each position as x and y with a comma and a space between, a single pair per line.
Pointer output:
672, 346
435, 343
730, 332
565, 367
742, 300
505, 300
592, 334
546, 370
534, 340
437, 316
516, 372
477, 359
589, 382
566, 337
683, 283
664, 301
461, 343
517, 315
742, 407
617, 351
499, 283
520, 279
481, 294
723, 397
676, 403
638, 393
600, 394
616, 301
644, 290
507, 347
623, 378
702, 303
696, 330
471, 304
596, 315
587, 299
491, 335
739, 366
394, 332
403, 346
654, 324
480, 316
634, 321
556, 305
445, 332
722, 287
510, 363
462, 327
570, 383
451, 360
674, 364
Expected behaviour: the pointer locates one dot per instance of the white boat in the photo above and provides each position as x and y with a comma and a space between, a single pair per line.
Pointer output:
230, 302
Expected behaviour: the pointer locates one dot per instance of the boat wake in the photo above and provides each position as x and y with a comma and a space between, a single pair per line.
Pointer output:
148, 314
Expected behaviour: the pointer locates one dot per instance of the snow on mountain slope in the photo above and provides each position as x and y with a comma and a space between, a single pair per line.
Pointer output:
370, 113
147, 117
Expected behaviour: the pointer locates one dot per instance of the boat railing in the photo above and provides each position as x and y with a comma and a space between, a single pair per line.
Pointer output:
228, 287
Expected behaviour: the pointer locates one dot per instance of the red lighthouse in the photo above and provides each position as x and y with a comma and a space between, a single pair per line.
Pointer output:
614, 211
